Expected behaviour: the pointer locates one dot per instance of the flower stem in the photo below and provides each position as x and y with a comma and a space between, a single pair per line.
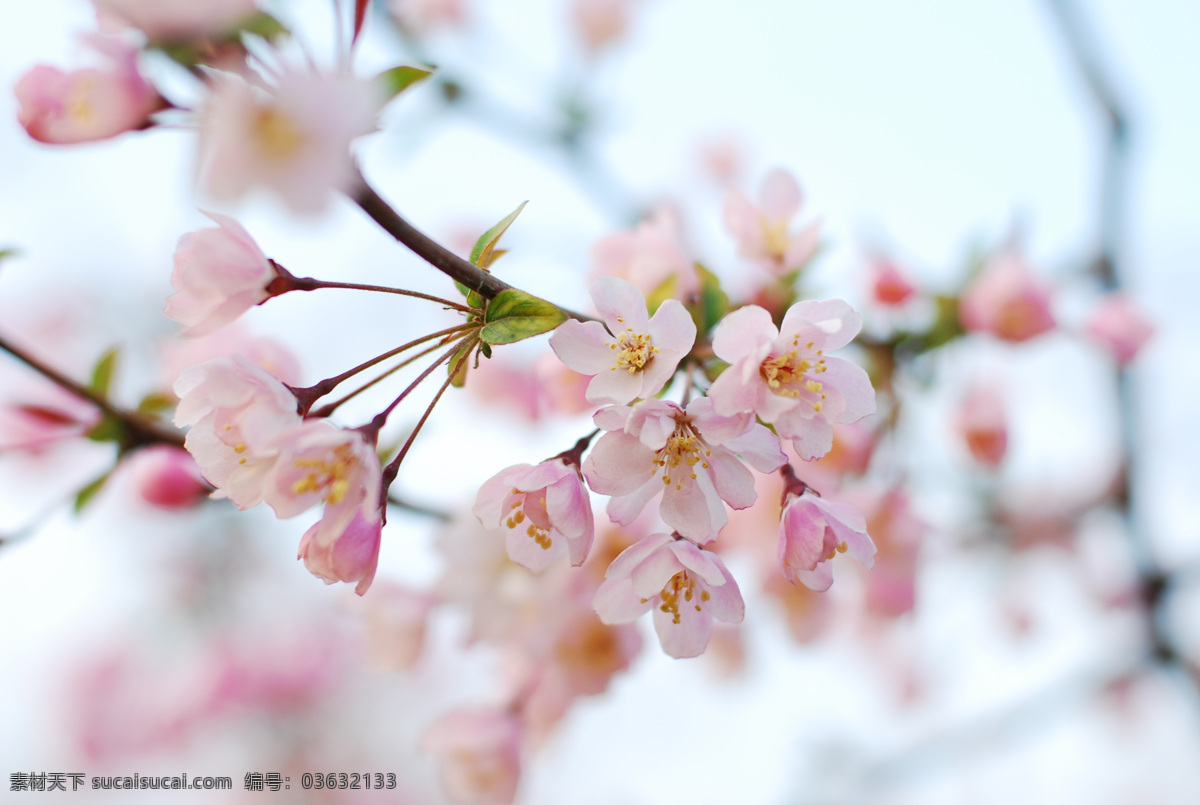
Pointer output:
329, 408
286, 281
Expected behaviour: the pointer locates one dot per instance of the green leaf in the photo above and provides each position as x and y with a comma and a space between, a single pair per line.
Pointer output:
264, 25
460, 362
398, 79
155, 403
102, 374
483, 255
665, 290
7, 253
108, 429
84, 496
515, 315
713, 302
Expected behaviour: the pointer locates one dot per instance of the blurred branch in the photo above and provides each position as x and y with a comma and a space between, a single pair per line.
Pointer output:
141, 431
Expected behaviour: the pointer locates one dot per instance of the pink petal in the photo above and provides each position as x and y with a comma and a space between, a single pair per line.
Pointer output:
781, 196
616, 602
746, 332
582, 346
620, 304
689, 637
635, 554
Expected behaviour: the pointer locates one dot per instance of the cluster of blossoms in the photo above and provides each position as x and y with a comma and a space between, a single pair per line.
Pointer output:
693, 456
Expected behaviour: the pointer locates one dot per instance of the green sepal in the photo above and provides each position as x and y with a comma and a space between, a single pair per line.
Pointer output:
102, 373
460, 362
398, 79
108, 429
263, 25
484, 253
515, 315
84, 496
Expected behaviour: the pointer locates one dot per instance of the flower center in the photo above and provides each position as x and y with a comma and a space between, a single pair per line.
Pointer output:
275, 134
535, 532
329, 475
634, 350
785, 374
680, 455
775, 234
681, 591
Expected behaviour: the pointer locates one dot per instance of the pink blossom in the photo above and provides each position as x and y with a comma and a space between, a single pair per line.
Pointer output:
689, 457
642, 355
544, 510
648, 256
600, 23
167, 477
396, 620
813, 531
761, 230
177, 355
1007, 301
983, 424
294, 139
420, 16
350, 553
220, 273
890, 287
89, 104
34, 427
685, 586
1119, 326
173, 20
319, 462
480, 751
237, 411
785, 377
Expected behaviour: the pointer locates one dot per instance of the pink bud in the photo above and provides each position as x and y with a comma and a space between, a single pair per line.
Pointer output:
889, 286
168, 477
1118, 326
351, 554
983, 424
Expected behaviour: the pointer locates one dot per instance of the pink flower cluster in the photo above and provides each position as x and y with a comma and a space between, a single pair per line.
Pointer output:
252, 445
694, 458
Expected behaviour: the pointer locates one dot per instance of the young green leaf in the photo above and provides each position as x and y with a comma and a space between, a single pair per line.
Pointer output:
84, 496
484, 253
398, 79
714, 303
102, 374
515, 315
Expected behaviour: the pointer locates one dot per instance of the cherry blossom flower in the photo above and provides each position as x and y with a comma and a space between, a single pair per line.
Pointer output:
294, 139
480, 749
687, 588
167, 477
237, 411
319, 462
420, 16
220, 273
689, 457
1118, 326
396, 619
600, 23
544, 510
1007, 301
174, 20
812, 531
648, 256
348, 554
761, 230
88, 104
983, 424
642, 355
785, 377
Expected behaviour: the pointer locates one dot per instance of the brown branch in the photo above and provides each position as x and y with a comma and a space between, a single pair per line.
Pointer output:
141, 431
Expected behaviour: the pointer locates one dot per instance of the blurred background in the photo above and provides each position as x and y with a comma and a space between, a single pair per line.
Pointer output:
1049, 652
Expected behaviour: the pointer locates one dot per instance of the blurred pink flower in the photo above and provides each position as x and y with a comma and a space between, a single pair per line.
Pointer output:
692, 457
600, 23
349, 553
643, 355
420, 16
1119, 326
178, 355
762, 230
396, 620
890, 286
237, 411
983, 424
784, 376
174, 20
648, 256
812, 531
88, 104
1007, 301
294, 139
545, 510
687, 588
220, 273
167, 477
480, 750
